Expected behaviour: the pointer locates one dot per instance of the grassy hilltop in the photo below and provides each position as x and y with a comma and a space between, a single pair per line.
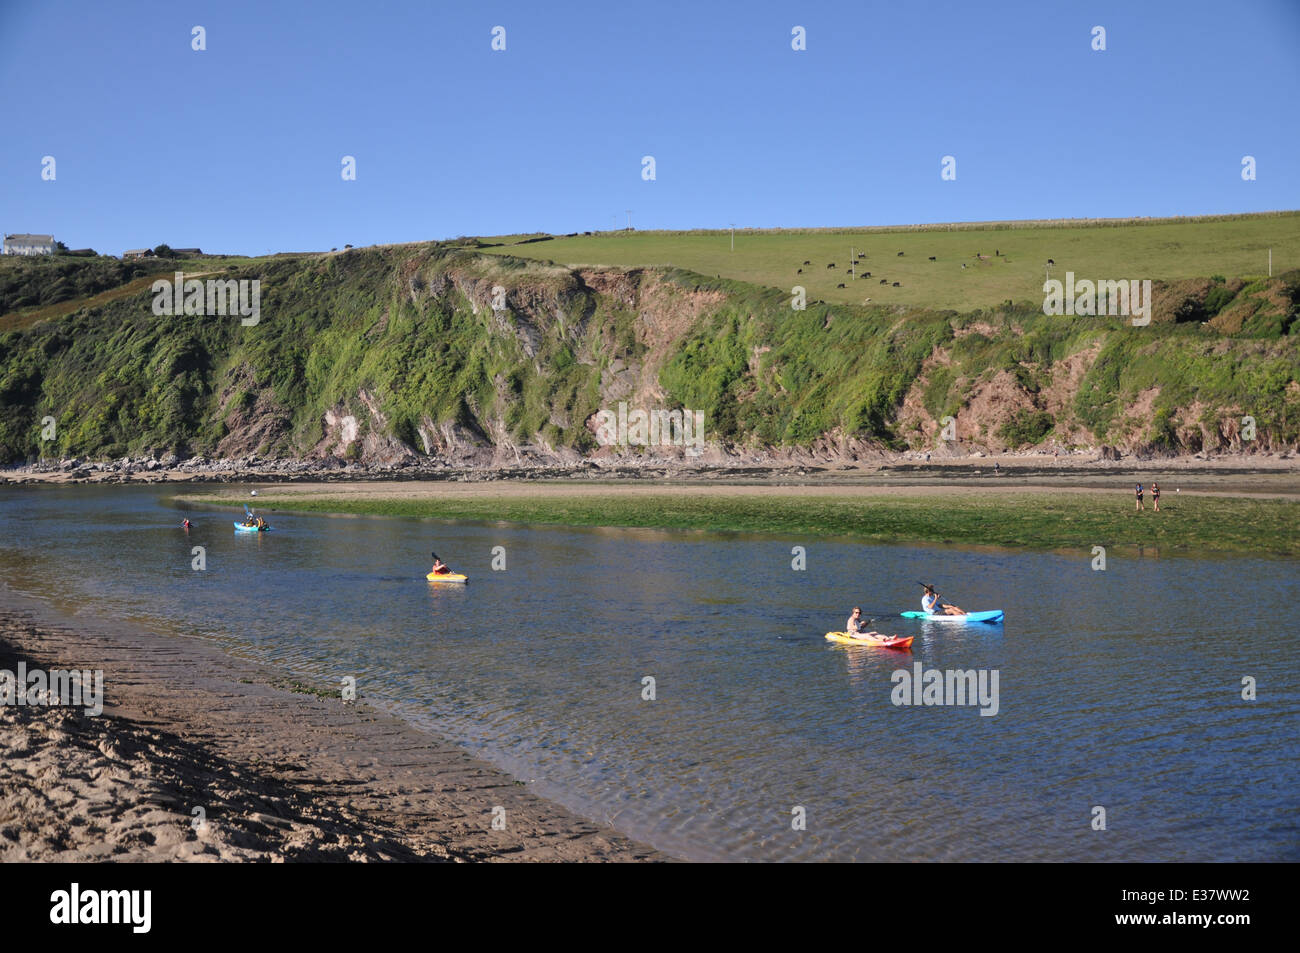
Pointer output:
1168, 250
394, 352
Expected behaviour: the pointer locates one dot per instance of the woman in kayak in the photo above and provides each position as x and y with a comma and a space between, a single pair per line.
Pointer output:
931, 605
439, 568
854, 627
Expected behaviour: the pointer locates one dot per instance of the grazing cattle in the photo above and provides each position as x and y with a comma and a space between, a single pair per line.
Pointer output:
897, 285
866, 274
1050, 262
840, 285
807, 262
831, 265
900, 254
799, 272
932, 258
884, 281
963, 264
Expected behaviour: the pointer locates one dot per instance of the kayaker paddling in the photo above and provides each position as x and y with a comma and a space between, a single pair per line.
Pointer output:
931, 605
439, 567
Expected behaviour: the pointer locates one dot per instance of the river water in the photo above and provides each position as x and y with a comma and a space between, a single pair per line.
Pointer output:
1118, 689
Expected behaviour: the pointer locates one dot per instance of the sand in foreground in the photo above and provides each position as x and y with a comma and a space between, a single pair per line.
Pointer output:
279, 775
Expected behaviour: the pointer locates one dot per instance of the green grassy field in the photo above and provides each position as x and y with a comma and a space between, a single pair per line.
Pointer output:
1233, 246
1032, 520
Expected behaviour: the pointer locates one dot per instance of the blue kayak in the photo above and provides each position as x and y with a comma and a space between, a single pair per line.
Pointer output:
993, 615
241, 528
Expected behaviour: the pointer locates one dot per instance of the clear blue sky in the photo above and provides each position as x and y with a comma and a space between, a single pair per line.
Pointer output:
238, 148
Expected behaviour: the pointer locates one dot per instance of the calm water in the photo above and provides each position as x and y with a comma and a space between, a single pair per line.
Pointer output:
1117, 688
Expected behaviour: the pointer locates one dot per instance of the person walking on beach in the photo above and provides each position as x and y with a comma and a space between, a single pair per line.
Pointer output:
1155, 496
1138, 505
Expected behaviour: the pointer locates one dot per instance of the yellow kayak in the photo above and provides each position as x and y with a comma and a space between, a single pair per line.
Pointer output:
891, 642
447, 577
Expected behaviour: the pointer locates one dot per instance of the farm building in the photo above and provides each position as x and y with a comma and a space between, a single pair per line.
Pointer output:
138, 253
29, 245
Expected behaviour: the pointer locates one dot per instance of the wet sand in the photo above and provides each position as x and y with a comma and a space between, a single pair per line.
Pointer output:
280, 775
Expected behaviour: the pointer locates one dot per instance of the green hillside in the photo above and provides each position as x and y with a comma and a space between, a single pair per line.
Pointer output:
1014, 269
396, 352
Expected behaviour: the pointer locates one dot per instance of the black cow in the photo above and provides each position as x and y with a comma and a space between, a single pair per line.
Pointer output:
840, 285
799, 272
900, 254
884, 281
932, 258
897, 285
831, 265
1050, 262
807, 263
866, 274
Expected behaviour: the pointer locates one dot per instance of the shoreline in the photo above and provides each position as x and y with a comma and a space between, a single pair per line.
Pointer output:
1244, 516
280, 775
725, 470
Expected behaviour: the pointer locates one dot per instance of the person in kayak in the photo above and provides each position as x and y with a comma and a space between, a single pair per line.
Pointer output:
931, 605
855, 627
261, 523
439, 568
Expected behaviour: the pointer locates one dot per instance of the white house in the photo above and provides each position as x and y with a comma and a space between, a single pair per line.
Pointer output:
29, 245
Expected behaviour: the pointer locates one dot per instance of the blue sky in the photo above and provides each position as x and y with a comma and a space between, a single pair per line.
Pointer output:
238, 148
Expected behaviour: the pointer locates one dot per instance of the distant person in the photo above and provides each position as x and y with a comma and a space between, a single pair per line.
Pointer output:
1155, 496
186, 524
439, 567
927, 458
1138, 504
996, 469
854, 626
1056, 453
931, 605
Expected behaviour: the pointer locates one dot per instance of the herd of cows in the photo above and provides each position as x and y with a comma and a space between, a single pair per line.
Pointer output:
861, 257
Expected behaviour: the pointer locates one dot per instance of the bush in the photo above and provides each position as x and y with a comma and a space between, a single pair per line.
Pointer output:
1026, 428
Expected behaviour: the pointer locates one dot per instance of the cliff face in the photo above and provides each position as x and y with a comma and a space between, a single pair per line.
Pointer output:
379, 355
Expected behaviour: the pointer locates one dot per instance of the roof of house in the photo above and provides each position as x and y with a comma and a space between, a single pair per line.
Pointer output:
135, 251
35, 239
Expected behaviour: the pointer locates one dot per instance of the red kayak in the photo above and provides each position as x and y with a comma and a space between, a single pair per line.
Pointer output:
872, 638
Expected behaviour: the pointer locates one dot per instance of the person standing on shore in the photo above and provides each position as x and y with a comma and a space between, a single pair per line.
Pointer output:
1155, 496
1138, 505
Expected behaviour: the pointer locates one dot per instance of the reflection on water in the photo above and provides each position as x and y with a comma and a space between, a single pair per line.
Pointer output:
1118, 688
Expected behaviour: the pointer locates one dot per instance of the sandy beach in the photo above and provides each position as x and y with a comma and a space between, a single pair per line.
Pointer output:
279, 775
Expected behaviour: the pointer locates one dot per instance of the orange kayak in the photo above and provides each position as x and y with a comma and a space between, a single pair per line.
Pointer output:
876, 639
